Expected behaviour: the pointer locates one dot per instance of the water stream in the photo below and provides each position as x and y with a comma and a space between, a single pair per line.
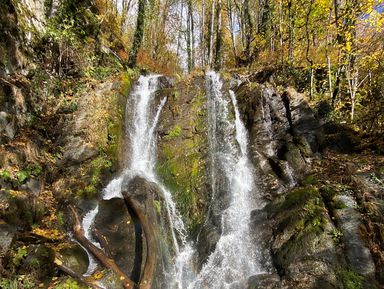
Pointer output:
141, 159
235, 256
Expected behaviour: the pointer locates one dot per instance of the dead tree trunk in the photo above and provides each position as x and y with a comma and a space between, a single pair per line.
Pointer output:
139, 33
140, 199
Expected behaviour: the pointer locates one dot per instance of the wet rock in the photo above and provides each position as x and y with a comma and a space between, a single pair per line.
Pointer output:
296, 160
283, 133
165, 82
7, 233
261, 233
265, 281
206, 242
357, 252
75, 258
115, 223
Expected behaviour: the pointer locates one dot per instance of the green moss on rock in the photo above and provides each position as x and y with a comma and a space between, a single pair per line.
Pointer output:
182, 158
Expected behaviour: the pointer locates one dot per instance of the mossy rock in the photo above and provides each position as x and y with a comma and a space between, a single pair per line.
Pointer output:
22, 209
303, 230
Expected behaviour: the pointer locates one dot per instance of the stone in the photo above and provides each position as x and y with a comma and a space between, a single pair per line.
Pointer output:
33, 185
357, 252
39, 259
7, 234
75, 258
165, 82
264, 281
115, 223
77, 151
7, 126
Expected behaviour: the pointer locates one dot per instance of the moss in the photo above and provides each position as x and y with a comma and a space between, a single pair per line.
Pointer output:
5, 175
127, 78
174, 132
350, 279
181, 165
157, 205
309, 180
302, 212
298, 197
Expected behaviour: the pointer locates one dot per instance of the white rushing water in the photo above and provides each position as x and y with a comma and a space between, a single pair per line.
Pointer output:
234, 258
142, 158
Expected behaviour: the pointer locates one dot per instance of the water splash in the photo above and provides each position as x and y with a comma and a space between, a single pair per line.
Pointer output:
87, 224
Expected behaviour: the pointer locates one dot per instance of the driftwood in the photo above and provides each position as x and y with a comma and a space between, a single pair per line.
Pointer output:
59, 264
98, 253
103, 242
143, 208
139, 202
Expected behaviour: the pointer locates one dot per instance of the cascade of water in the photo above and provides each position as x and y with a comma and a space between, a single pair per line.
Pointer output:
141, 131
234, 258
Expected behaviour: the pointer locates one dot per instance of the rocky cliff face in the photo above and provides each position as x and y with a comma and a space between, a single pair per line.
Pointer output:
59, 141
315, 229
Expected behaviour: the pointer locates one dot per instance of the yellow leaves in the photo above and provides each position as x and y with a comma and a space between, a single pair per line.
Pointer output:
52, 234
98, 275
375, 20
58, 262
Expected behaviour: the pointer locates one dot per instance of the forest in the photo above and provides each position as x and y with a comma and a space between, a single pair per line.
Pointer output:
192, 144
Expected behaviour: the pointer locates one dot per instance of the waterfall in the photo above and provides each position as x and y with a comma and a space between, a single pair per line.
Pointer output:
235, 256
141, 158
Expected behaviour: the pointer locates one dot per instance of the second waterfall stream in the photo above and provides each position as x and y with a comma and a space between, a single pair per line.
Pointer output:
235, 257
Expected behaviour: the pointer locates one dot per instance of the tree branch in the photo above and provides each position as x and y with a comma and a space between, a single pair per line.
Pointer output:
98, 253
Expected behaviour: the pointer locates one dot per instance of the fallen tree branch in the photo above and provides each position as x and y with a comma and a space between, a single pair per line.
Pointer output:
103, 242
59, 264
98, 253
141, 201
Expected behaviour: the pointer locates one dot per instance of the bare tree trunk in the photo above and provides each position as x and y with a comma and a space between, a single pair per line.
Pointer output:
291, 34
139, 33
232, 28
202, 39
192, 23
180, 29
328, 55
211, 32
141, 201
308, 14
248, 30
219, 39
188, 37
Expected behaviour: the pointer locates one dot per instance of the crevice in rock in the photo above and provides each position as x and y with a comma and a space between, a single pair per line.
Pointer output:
138, 259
